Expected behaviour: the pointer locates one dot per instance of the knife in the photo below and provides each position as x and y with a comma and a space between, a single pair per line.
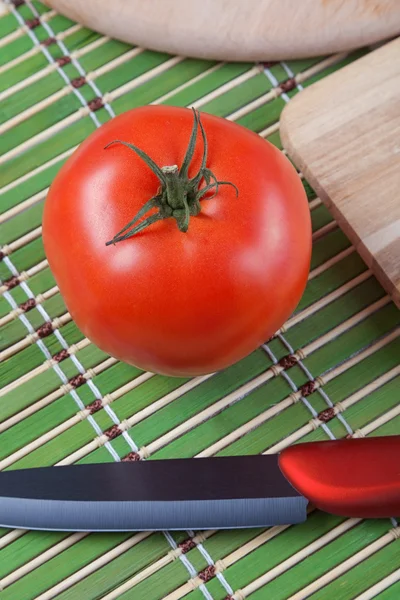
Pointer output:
353, 478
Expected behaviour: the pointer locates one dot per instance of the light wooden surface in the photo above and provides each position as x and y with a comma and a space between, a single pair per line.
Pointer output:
343, 133
239, 29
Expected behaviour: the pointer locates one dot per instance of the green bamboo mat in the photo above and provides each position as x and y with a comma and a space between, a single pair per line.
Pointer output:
346, 328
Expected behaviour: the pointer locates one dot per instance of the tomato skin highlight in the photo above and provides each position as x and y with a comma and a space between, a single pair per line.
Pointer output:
174, 303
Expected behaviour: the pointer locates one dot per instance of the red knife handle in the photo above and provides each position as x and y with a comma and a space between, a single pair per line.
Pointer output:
353, 478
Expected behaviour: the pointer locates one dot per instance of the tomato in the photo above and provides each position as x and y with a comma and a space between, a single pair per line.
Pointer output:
187, 295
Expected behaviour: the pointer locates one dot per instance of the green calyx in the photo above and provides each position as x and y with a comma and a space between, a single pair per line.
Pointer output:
178, 196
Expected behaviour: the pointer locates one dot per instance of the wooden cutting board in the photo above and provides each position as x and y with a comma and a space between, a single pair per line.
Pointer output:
249, 30
343, 133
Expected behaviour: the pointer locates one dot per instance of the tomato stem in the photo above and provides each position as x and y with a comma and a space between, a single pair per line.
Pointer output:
178, 196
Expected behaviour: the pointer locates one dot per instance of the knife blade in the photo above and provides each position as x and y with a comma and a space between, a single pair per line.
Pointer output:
348, 477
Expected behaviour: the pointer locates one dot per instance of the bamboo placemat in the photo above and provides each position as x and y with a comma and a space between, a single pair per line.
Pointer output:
332, 371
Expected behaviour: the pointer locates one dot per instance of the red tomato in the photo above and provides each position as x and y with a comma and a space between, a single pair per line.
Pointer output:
164, 300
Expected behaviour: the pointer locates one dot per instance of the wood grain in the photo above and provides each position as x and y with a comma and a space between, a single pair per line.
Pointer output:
249, 30
344, 135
